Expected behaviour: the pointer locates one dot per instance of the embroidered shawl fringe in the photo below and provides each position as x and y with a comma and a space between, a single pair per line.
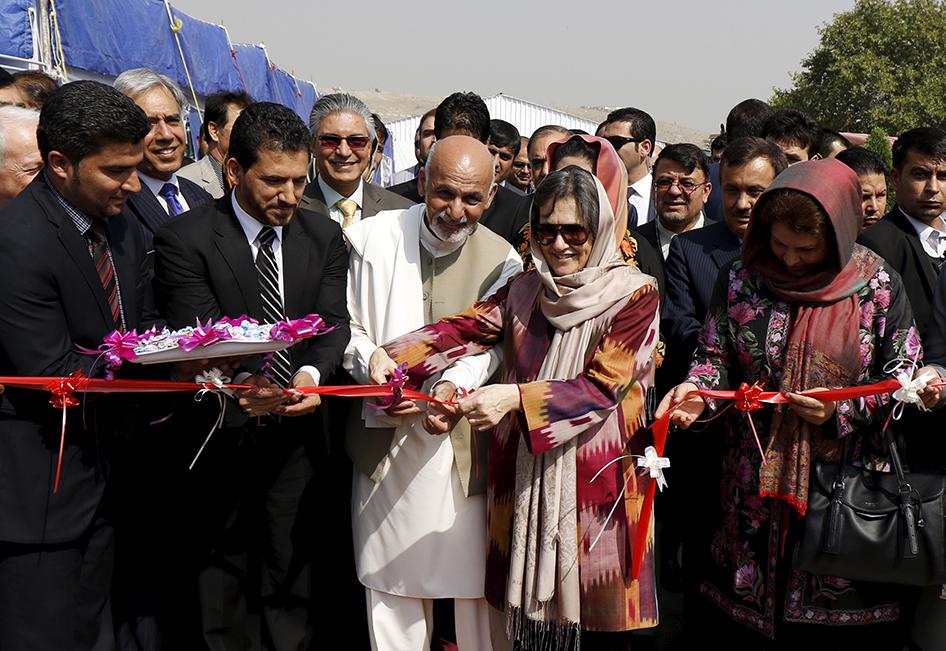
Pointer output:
535, 635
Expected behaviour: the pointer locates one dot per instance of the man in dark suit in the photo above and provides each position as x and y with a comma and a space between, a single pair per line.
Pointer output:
163, 193
254, 252
912, 236
343, 134
72, 263
680, 189
747, 168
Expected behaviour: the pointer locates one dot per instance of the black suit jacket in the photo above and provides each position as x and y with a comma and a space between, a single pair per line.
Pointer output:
375, 200
692, 266
53, 301
895, 240
204, 269
508, 213
151, 215
408, 190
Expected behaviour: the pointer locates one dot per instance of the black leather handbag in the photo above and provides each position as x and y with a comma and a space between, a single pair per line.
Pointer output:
872, 526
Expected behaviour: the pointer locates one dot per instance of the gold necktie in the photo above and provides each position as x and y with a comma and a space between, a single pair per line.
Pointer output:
348, 208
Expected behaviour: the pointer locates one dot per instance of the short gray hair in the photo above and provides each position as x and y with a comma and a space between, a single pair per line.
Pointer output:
136, 81
16, 117
340, 103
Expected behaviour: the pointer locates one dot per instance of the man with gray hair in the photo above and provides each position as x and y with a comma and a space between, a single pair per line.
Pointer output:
343, 135
418, 506
163, 194
20, 159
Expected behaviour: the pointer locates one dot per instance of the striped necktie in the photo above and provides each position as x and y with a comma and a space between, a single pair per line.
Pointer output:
105, 268
273, 311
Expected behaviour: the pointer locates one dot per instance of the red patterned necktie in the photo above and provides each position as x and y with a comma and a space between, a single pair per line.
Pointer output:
104, 267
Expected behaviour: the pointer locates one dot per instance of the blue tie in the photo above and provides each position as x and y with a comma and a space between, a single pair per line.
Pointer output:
169, 192
631, 215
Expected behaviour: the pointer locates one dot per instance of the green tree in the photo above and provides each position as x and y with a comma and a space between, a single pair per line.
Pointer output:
882, 64
878, 143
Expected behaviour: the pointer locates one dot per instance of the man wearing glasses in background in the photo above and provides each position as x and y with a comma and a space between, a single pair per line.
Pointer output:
680, 187
633, 133
343, 135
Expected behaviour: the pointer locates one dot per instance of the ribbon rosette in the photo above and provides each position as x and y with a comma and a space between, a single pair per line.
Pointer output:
203, 335
654, 464
397, 381
213, 381
293, 330
62, 398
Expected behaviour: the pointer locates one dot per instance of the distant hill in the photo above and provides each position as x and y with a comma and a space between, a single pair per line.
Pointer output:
394, 106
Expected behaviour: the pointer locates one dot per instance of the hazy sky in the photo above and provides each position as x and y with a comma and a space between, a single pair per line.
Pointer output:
685, 61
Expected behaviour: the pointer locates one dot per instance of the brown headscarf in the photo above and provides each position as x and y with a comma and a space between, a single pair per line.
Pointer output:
823, 347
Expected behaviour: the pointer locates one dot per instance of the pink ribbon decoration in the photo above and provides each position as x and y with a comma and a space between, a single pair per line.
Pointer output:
203, 335
397, 381
293, 330
237, 322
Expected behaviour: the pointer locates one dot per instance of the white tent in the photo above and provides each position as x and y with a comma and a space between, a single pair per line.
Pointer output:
525, 116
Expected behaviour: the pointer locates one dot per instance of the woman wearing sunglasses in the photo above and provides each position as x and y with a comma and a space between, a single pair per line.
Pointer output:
578, 334
806, 308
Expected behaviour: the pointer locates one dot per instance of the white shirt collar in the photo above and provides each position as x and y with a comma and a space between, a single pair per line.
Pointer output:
155, 185
932, 240
251, 227
642, 185
664, 235
332, 197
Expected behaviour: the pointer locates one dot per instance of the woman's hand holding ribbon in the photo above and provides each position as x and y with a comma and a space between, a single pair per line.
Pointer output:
685, 410
486, 406
809, 408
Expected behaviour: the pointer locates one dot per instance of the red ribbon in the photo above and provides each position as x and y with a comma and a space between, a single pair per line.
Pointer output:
64, 388
748, 398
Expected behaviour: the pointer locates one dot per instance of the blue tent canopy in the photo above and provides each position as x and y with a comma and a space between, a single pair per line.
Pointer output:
107, 37
17, 38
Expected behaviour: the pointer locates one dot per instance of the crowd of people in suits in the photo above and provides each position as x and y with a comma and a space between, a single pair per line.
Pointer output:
604, 273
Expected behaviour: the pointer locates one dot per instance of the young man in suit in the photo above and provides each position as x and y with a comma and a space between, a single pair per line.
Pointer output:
164, 194
633, 134
343, 135
220, 112
256, 490
405, 182
72, 263
912, 236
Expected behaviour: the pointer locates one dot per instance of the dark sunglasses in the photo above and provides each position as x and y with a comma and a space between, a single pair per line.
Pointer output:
573, 234
355, 143
619, 141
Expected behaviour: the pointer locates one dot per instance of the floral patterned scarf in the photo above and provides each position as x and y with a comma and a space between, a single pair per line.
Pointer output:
823, 347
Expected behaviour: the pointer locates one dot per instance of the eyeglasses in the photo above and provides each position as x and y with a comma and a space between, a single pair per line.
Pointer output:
355, 143
687, 186
619, 141
545, 234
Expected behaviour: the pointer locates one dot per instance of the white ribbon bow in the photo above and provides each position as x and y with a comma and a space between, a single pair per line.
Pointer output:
214, 381
909, 390
654, 464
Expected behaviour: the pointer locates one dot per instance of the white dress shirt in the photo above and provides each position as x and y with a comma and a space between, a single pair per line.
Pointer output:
932, 239
664, 235
155, 186
332, 197
638, 195
252, 229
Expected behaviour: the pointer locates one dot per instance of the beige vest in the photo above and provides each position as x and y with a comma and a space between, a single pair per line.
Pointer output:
451, 284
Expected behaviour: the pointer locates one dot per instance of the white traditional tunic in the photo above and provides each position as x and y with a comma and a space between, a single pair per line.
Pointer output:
416, 533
